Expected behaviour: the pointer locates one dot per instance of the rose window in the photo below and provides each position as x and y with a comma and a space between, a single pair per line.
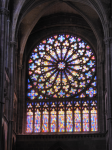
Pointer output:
61, 86
60, 66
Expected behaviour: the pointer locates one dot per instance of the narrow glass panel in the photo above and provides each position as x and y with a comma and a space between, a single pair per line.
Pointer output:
29, 127
53, 121
45, 121
85, 119
77, 120
94, 126
61, 121
37, 121
69, 120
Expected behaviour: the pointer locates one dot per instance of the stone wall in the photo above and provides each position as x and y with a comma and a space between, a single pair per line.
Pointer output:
61, 142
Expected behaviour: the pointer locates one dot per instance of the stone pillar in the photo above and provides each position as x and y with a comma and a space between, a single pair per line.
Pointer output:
15, 71
100, 87
19, 123
108, 48
12, 48
8, 43
3, 19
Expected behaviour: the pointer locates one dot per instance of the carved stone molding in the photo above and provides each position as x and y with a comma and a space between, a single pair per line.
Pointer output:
4, 11
68, 136
107, 40
13, 43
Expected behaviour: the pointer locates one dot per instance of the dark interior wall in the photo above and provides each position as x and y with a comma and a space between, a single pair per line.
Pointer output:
55, 142
57, 24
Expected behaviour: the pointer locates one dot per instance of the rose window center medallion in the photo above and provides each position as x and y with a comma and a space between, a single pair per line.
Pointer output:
61, 65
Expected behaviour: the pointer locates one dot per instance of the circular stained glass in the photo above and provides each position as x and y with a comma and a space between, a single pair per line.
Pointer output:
60, 66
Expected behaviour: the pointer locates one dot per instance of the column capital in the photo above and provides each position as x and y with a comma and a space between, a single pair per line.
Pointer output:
4, 11
13, 43
107, 40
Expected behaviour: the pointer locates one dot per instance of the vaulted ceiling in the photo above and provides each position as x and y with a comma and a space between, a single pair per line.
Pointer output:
33, 16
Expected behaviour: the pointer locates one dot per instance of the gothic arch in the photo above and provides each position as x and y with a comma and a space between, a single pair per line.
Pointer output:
15, 26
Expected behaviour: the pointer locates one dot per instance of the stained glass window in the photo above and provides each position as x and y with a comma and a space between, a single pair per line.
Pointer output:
77, 116
37, 124
45, 117
62, 85
69, 116
61, 117
29, 117
53, 117
94, 120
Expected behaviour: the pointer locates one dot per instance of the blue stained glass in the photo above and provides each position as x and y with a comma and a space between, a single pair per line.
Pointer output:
88, 74
94, 83
88, 53
29, 128
61, 38
61, 93
40, 97
91, 92
29, 86
90, 63
41, 47
37, 128
32, 66
72, 39
41, 86
50, 41
81, 45
34, 56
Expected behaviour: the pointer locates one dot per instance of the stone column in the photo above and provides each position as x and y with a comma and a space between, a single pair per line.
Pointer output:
108, 48
19, 127
12, 49
15, 70
8, 43
100, 86
3, 19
